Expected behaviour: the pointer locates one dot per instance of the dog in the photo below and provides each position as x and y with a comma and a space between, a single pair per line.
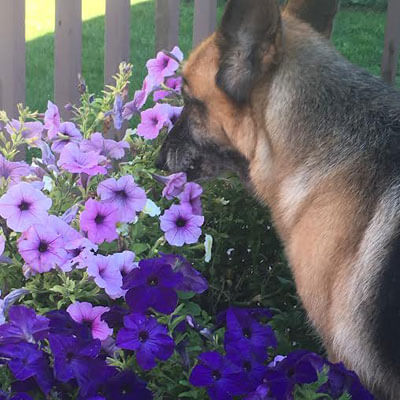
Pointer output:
318, 140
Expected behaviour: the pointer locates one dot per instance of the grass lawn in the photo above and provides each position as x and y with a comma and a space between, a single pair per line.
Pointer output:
359, 36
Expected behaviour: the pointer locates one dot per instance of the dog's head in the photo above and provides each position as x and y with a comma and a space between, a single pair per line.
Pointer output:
226, 82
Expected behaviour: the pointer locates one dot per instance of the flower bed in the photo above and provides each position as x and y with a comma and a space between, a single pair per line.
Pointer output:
95, 250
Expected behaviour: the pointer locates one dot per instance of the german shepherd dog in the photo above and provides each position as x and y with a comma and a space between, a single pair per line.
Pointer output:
318, 139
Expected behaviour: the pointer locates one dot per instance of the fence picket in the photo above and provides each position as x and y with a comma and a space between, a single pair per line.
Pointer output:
392, 42
67, 52
167, 24
12, 50
117, 36
205, 19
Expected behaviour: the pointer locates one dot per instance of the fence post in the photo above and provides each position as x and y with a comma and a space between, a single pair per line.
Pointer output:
117, 36
167, 24
205, 19
12, 50
67, 52
392, 42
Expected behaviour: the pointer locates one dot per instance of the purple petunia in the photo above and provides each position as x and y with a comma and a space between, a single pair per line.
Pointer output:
124, 261
181, 225
99, 221
117, 112
30, 130
221, 378
85, 313
13, 171
23, 206
174, 84
174, 184
163, 66
106, 274
73, 160
52, 120
105, 147
147, 338
41, 247
153, 120
125, 194
191, 196
139, 99
152, 285
68, 133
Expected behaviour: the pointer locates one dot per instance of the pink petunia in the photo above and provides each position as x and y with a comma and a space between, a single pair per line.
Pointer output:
85, 313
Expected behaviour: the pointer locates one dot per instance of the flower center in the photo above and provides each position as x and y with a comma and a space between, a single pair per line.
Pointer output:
165, 62
154, 121
143, 336
99, 219
24, 206
69, 356
216, 375
247, 333
247, 366
180, 222
152, 281
122, 194
43, 246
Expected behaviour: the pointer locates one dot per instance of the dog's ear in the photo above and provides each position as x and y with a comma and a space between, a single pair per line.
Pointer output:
318, 13
249, 41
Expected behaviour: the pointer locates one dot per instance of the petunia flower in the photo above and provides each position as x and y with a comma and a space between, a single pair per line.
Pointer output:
174, 184
52, 120
105, 147
99, 221
174, 84
13, 171
163, 66
124, 261
181, 225
106, 275
221, 378
125, 194
42, 248
68, 133
32, 131
23, 206
78, 252
153, 120
23, 326
151, 208
85, 313
191, 196
147, 338
8, 301
152, 285
117, 112
73, 160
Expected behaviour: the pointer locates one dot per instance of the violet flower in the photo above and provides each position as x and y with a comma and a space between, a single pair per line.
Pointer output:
124, 261
174, 184
73, 160
85, 313
191, 196
30, 130
147, 338
139, 99
125, 194
181, 225
52, 120
117, 112
106, 147
68, 133
153, 120
13, 171
99, 221
23, 206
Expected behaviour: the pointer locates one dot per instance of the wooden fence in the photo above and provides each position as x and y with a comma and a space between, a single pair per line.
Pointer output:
68, 42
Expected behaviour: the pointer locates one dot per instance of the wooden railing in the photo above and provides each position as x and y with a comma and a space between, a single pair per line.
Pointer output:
68, 42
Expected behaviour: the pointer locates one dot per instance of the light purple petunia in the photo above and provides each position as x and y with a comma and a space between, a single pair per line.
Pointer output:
163, 66
153, 120
23, 206
117, 112
85, 313
106, 274
174, 184
2, 244
125, 194
68, 133
52, 120
42, 248
173, 114
99, 221
181, 225
31, 130
124, 261
139, 99
173, 84
191, 196
106, 147
13, 171
73, 160
79, 251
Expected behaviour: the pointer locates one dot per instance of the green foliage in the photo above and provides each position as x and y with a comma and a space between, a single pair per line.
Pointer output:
376, 4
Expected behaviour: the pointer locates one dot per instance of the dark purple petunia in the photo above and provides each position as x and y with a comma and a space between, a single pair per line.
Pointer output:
221, 378
153, 285
193, 280
147, 338
115, 317
245, 336
23, 326
275, 386
126, 386
340, 381
61, 323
